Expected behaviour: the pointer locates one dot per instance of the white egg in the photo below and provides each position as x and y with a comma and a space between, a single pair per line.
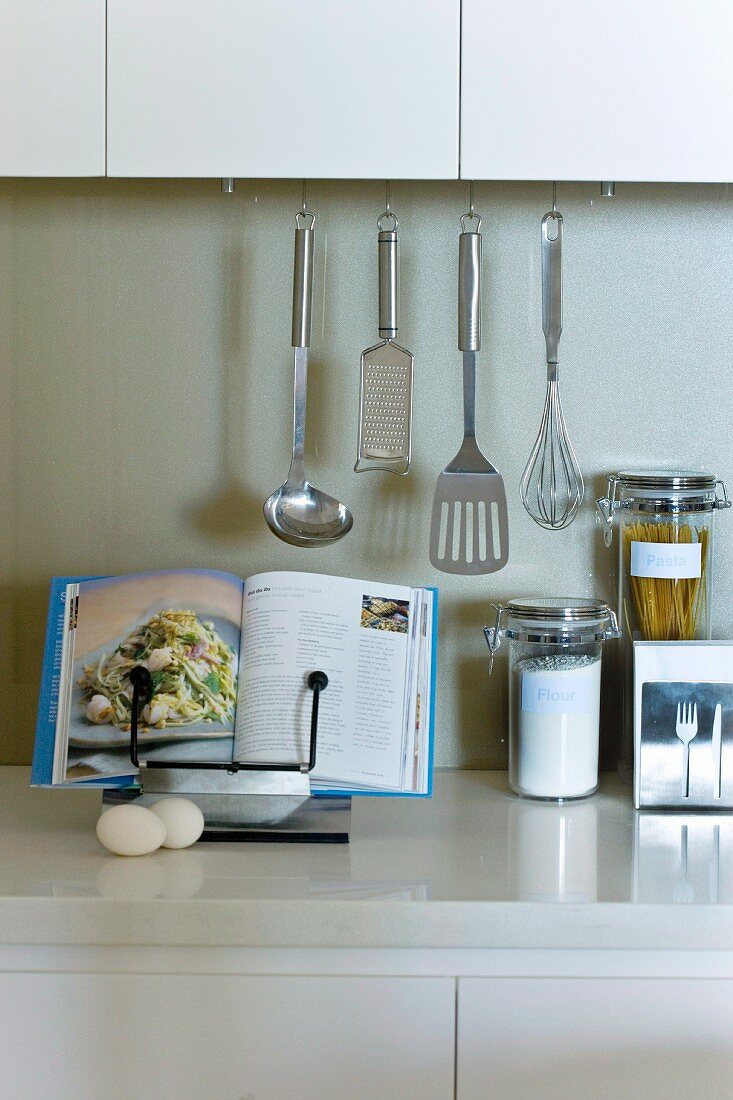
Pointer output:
183, 820
130, 830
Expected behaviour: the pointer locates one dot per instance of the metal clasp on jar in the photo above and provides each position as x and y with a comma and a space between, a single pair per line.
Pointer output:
607, 506
614, 632
492, 634
721, 502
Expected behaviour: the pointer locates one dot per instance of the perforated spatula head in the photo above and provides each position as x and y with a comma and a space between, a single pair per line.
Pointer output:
469, 527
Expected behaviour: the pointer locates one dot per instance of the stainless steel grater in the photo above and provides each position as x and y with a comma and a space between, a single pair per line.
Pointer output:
385, 405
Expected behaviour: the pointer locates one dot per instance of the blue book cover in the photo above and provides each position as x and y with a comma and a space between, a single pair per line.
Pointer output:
228, 661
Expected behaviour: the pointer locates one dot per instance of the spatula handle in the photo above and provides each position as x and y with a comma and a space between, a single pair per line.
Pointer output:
389, 283
469, 291
303, 282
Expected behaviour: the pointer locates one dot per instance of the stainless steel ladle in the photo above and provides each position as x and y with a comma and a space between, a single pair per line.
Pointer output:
297, 512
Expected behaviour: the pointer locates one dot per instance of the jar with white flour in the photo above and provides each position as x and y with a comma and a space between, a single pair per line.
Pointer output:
555, 649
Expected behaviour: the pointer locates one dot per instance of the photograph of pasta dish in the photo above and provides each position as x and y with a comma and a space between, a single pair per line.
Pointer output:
192, 670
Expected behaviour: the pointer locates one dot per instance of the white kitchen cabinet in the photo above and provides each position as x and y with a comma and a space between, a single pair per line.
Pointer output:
84, 1036
365, 89
52, 111
606, 1038
585, 90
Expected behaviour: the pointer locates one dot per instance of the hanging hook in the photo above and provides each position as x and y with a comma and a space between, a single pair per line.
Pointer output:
471, 215
304, 212
387, 215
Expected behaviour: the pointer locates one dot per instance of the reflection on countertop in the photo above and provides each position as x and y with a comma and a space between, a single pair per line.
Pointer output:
473, 841
473, 866
686, 859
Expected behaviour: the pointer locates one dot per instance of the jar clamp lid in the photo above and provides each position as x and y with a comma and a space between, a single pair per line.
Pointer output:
563, 620
662, 491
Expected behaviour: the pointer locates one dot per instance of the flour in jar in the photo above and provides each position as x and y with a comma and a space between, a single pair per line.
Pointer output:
554, 717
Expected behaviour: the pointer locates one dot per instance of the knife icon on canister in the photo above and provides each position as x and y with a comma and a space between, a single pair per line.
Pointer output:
716, 747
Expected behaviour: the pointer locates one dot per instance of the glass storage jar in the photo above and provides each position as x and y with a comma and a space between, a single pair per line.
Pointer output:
554, 692
664, 565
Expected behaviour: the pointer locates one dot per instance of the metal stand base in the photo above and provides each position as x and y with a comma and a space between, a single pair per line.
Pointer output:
258, 817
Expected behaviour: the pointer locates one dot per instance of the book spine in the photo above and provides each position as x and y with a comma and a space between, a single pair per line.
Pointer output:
433, 690
43, 753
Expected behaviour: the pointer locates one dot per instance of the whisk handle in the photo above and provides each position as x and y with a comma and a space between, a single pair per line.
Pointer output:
469, 291
552, 284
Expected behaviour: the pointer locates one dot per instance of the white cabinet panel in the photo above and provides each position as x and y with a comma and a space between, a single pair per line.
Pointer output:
605, 1038
580, 89
367, 88
52, 88
85, 1036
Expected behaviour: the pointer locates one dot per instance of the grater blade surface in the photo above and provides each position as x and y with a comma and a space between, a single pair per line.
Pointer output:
385, 409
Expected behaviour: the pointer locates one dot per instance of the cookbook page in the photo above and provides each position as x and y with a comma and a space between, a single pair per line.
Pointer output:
354, 631
183, 626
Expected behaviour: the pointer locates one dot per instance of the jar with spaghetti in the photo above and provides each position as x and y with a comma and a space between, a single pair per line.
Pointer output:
664, 541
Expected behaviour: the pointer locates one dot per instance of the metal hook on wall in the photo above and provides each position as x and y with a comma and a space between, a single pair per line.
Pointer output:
388, 215
471, 215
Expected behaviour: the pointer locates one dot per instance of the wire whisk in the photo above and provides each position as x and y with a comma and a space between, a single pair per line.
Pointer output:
552, 486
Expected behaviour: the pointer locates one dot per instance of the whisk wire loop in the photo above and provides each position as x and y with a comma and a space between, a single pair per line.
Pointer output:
552, 487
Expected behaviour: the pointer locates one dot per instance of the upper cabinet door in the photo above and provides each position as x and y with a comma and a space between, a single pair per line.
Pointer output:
585, 89
337, 88
52, 88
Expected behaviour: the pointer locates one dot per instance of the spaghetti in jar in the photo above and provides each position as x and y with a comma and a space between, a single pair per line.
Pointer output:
664, 563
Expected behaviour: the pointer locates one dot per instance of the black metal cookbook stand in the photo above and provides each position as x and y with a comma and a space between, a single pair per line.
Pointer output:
240, 801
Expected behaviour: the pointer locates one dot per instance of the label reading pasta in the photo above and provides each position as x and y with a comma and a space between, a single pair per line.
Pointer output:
678, 560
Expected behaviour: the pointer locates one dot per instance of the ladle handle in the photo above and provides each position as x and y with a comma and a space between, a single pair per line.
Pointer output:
302, 285
389, 283
552, 284
469, 291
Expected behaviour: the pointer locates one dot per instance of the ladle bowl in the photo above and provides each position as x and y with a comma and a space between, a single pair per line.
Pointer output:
304, 516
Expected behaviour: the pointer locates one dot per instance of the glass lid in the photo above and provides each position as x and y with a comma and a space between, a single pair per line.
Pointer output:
669, 480
567, 609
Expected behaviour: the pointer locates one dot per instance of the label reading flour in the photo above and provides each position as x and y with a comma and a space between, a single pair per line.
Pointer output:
553, 693
678, 560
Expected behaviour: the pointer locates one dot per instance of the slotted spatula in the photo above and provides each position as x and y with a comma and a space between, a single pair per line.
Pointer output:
469, 529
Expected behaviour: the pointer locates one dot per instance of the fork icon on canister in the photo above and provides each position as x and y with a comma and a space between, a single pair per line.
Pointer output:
686, 730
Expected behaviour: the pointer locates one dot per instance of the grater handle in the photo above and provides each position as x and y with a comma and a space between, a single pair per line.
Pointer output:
303, 285
552, 285
389, 283
469, 291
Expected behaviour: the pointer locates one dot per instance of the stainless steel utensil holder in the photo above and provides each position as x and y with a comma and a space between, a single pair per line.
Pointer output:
683, 726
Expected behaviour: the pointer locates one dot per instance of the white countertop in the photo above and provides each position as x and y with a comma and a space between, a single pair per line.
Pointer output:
473, 867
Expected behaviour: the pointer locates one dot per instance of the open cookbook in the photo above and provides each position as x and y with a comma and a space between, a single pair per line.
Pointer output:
229, 661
